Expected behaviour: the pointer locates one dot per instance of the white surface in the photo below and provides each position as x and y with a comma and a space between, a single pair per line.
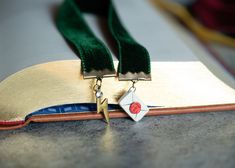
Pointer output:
28, 35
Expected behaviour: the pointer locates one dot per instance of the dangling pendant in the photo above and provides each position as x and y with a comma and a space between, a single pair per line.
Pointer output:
102, 105
132, 105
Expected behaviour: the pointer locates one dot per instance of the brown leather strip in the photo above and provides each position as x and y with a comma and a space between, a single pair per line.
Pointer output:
121, 114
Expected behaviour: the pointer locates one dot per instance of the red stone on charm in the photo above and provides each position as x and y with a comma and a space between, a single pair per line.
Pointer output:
135, 107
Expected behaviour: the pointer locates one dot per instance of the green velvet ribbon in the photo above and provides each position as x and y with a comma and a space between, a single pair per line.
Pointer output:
95, 56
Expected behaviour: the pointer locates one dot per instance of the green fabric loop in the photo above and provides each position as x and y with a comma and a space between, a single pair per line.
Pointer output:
93, 53
133, 57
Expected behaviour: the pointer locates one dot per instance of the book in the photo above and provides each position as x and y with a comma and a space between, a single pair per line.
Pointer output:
41, 81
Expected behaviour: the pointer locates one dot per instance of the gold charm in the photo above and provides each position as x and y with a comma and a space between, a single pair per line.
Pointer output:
102, 106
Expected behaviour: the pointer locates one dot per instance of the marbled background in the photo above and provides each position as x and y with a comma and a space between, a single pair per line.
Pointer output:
192, 140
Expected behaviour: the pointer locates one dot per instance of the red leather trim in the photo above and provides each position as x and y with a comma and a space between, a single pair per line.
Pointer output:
11, 122
118, 114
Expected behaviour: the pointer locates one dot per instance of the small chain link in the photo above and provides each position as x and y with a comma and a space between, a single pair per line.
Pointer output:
98, 84
133, 88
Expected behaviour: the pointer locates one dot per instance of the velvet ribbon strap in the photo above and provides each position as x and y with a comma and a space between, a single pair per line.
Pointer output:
134, 60
95, 56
